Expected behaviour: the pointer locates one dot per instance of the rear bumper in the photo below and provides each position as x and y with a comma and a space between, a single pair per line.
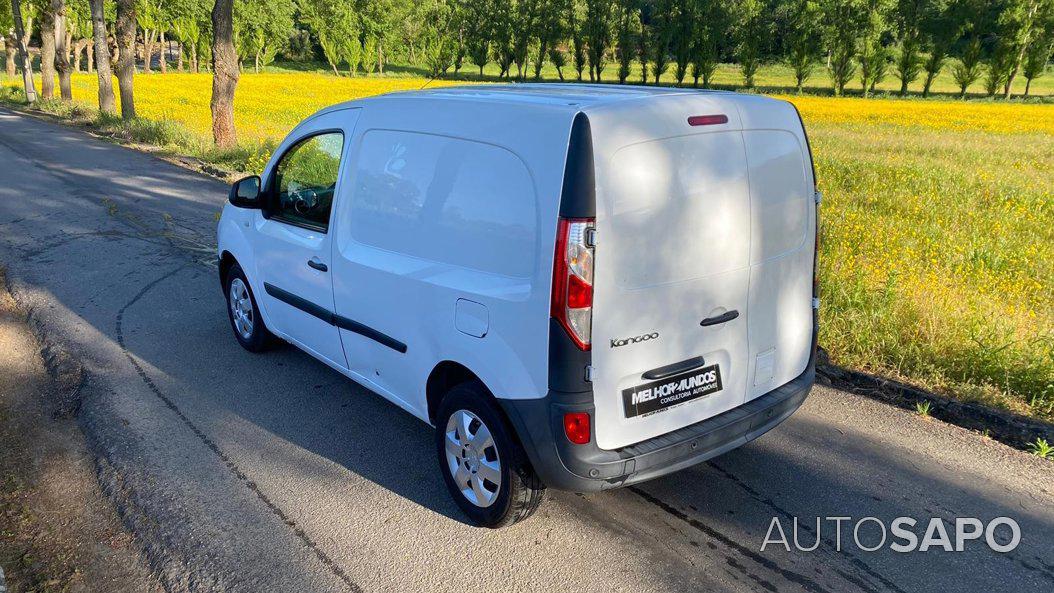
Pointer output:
587, 468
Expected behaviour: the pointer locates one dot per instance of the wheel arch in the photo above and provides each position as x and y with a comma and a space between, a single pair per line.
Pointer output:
443, 377
226, 261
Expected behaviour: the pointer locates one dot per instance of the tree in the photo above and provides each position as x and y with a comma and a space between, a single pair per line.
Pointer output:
625, 37
502, 33
942, 25
1039, 53
102, 58
559, 60
524, 25
7, 30
597, 34
748, 35
873, 56
550, 31
336, 27
803, 39
1016, 29
22, 35
574, 26
261, 28
968, 70
224, 73
478, 32
683, 26
909, 19
47, 50
661, 34
712, 21
842, 25
126, 59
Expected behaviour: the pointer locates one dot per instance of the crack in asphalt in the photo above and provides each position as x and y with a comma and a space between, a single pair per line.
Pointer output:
212, 446
768, 502
799, 579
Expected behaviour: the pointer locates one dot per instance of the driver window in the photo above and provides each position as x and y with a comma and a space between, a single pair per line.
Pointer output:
305, 179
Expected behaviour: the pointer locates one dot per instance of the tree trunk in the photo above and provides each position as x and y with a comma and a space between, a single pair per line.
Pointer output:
102, 58
194, 58
380, 58
47, 52
162, 48
62, 54
90, 55
9, 51
23, 52
148, 51
76, 63
179, 56
225, 74
126, 63
1028, 83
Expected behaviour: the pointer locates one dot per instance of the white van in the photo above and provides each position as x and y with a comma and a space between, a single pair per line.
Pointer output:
581, 287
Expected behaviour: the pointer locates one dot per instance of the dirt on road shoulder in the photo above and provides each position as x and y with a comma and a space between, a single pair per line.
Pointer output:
57, 531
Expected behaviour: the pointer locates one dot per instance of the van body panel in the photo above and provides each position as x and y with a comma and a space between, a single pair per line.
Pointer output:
442, 209
783, 235
673, 248
695, 223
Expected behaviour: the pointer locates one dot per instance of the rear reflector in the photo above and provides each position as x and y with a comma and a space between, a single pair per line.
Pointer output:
576, 427
707, 120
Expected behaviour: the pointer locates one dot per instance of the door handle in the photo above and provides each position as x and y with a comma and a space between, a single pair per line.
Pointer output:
316, 264
674, 369
719, 319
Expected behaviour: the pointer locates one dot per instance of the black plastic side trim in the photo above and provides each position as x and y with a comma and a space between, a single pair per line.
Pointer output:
567, 363
368, 332
300, 303
331, 318
578, 197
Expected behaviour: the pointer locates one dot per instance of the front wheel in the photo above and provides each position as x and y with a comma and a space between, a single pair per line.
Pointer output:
244, 313
483, 465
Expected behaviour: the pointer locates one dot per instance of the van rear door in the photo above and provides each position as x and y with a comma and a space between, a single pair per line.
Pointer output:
672, 270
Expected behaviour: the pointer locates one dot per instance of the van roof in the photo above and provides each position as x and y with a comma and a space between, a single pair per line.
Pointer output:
572, 96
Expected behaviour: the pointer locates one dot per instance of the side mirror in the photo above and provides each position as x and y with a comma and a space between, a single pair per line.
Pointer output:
245, 193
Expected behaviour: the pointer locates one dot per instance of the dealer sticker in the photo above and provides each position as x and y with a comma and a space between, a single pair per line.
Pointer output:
659, 395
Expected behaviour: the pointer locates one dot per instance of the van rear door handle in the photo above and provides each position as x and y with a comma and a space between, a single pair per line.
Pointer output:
719, 319
674, 369
316, 264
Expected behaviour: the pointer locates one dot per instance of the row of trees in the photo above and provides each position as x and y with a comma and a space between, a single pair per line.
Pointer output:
108, 32
866, 40
639, 40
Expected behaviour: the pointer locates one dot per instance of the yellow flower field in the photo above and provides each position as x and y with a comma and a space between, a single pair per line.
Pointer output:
937, 226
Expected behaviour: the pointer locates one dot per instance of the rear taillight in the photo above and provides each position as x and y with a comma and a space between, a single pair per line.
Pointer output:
572, 302
576, 427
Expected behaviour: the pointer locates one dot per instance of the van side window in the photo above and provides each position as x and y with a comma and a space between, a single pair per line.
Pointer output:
304, 181
447, 200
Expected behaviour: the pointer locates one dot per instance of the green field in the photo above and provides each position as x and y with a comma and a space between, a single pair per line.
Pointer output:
937, 257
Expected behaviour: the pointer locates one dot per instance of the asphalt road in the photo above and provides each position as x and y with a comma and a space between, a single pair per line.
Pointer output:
263, 473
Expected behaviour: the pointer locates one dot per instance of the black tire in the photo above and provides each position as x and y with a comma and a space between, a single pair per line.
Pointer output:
520, 492
260, 338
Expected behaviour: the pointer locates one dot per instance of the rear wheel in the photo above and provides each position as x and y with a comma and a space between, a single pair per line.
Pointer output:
483, 464
244, 313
